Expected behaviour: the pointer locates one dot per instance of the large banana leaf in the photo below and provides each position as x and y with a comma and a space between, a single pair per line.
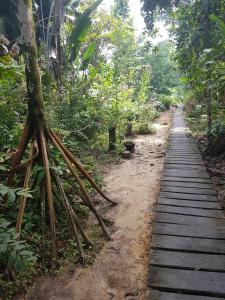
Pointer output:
88, 55
80, 29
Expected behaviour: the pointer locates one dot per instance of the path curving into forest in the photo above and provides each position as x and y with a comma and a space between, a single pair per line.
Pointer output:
121, 268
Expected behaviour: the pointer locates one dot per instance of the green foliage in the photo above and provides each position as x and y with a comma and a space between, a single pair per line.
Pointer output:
14, 253
12, 193
165, 101
145, 128
80, 29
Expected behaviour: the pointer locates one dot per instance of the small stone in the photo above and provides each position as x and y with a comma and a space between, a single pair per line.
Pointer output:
126, 154
133, 293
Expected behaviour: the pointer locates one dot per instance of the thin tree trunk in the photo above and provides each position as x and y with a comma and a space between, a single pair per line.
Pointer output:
57, 21
112, 138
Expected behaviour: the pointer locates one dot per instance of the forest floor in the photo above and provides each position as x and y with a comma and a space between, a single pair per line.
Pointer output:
121, 267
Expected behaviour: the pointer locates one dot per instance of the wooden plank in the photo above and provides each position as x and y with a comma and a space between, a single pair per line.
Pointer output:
185, 148
190, 211
188, 244
186, 179
161, 217
203, 283
156, 295
188, 190
185, 196
187, 184
178, 142
183, 166
184, 162
188, 261
187, 159
200, 231
189, 203
187, 173
182, 147
183, 156
182, 152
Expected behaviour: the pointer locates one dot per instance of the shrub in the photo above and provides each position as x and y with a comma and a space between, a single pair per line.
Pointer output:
145, 128
14, 253
166, 101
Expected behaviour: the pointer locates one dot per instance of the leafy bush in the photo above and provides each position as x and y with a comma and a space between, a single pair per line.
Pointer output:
145, 128
14, 253
12, 193
166, 101
217, 128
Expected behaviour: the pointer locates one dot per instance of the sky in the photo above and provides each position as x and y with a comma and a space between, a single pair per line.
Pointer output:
135, 11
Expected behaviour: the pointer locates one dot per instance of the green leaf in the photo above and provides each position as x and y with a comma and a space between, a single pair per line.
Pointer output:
3, 168
24, 193
11, 195
219, 22
88, 55
80, 29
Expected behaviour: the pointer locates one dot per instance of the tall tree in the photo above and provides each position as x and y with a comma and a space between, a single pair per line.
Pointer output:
39, 140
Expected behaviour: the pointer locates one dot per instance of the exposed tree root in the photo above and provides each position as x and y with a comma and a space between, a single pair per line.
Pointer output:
19, 154
23, 199
82, 188
48, 186
79, 166
40, 141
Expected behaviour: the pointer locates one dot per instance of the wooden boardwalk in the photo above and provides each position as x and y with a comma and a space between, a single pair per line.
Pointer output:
187, 260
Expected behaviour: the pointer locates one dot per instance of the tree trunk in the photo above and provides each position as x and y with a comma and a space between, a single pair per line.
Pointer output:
57, 25
209, 121
209, 111
36, 119
112, 138
129, 129
36, 116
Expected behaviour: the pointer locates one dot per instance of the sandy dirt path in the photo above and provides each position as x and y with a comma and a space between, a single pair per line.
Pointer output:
121, 268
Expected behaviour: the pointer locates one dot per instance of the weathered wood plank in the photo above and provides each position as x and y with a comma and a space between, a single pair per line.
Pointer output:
189, 203
184, 157
185, 196
190, 211
200, 231
186, 173
182, 153
203, 283
187, 184
156, 295
184, 167
185, 179
184, 148
188, 244
188, 190
188, 261
161, 217
183, 164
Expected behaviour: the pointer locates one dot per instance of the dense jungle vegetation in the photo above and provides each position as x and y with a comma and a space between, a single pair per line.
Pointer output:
74, 79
